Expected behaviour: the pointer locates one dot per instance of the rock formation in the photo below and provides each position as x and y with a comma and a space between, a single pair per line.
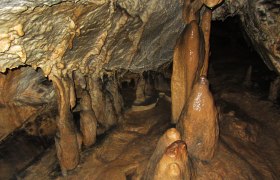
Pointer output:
170, 136
198, 123
186, 64
174, 163
88, 122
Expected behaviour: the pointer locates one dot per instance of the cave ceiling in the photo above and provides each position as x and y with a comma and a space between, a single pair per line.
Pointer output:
97, 36
90, 36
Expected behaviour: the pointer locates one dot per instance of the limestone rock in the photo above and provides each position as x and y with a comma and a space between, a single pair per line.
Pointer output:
198, 122
174, 164
170, 136
187, 61
88, 122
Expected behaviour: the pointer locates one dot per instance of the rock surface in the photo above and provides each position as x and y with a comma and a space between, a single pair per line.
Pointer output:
88, 35
261, 21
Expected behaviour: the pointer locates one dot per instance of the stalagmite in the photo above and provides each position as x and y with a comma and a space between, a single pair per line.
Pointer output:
170, 136
248, 77
140, 91
206, 28
174, 164
66, 140
149, 86
198, 122
186, 63
274, 89
88, 122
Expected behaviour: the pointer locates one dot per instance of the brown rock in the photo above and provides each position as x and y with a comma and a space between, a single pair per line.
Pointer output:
186, 62
170, 136
206, 28
66, 141
191, 10
198, 123
174, 164
212, 3
88, 122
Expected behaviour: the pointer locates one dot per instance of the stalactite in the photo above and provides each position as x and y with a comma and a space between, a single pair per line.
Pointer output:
103, 103
112, 87
198, 123
88, 122
149, 86
206, 28
66, 140
191, 10
140, 91
186, 64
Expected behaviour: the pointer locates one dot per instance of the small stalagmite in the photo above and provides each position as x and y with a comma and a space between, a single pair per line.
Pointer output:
88, 122
206, 28
198, 122
187, 60
66, 140
140, 91
170, 136
174, 164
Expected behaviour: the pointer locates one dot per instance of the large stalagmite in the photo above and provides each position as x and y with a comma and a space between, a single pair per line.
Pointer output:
187, 61
198, 122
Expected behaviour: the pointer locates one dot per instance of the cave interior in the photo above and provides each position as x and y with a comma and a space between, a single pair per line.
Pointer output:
123, 124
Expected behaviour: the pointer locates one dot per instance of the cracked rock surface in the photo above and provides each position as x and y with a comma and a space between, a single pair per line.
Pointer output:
89, 36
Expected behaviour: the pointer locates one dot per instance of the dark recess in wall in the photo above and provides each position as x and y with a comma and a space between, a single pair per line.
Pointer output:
232, 55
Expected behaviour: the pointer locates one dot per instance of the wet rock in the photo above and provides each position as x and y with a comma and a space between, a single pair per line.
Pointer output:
206, 29
187, 62
174, 164
170, 136
198, 122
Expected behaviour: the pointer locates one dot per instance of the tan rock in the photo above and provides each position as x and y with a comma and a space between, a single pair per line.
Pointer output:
186, 62
88, 122
174, 164
170, 136
66, 141
206, 28
212, 3
5, 44
198, 123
